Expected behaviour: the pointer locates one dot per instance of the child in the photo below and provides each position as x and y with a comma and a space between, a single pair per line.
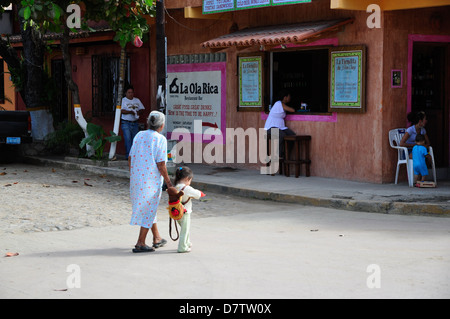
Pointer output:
183, 178
419, 154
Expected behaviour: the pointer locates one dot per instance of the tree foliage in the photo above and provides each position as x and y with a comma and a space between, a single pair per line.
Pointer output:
125, 17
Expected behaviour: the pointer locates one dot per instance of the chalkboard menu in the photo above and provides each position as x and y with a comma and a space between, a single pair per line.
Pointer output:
347, 79
215, 6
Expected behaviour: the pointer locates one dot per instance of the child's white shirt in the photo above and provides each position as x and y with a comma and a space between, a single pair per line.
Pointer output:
188, 192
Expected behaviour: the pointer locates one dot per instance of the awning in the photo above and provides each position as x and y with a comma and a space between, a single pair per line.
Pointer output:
269, 36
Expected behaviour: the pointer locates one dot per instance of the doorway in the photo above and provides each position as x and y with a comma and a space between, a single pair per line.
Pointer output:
430, 93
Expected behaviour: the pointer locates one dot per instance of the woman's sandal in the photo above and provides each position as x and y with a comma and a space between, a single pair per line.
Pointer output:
142, 249
161, 243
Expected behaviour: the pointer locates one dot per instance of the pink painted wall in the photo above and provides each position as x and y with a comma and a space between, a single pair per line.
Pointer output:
344, 145
402, 29
139, 59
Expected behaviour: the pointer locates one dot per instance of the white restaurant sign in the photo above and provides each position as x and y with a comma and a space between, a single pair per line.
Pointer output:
196, 92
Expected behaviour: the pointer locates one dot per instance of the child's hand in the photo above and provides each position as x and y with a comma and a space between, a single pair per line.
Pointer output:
202, 194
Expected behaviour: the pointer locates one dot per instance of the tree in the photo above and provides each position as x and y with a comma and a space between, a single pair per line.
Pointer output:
125, 17
28, 74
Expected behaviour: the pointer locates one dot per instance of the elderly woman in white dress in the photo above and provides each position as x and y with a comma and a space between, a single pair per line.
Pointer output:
147, 162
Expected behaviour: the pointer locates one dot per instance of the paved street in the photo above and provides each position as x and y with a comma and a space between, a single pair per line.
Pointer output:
66, 222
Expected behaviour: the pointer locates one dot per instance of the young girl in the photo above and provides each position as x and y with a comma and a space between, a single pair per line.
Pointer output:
183, 178
420, 155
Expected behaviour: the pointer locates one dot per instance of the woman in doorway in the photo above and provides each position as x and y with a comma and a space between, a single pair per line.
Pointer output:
418, 121
276, 117
132, 108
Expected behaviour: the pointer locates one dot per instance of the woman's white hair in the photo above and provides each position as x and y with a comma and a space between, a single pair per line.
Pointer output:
155, 120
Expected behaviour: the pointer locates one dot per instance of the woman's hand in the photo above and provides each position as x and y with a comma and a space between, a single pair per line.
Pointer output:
163, 171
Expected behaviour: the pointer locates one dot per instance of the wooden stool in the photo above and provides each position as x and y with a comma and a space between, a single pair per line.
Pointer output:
281, 160
300, 142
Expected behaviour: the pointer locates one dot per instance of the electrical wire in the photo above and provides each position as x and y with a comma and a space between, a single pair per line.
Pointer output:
188, 28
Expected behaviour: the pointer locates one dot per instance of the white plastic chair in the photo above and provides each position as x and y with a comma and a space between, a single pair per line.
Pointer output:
395, 136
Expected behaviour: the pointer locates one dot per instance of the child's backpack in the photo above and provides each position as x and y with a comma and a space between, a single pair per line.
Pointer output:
176, 208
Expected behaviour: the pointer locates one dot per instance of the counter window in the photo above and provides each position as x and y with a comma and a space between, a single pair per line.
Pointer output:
305, 74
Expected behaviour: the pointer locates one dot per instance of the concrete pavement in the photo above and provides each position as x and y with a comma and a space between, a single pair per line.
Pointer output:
268, 251
311, 191
290, 252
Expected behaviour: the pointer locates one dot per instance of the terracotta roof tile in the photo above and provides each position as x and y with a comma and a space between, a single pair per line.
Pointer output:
275, 35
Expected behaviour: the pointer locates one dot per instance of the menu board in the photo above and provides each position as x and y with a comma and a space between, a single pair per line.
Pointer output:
281, 2
247, 4
215, 6
347, 74
250, 81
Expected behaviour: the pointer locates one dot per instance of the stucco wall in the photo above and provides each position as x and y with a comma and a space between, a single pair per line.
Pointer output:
348, 148
398, 26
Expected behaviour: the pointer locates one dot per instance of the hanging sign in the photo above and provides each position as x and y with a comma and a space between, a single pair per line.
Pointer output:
347, 79
215, 6
250, 82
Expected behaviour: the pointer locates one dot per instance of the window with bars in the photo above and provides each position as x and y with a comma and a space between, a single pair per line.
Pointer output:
105, 83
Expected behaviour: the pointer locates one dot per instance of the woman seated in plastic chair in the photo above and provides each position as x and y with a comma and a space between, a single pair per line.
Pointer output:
418, 121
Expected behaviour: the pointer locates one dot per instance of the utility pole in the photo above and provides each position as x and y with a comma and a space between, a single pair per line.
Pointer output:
161, 55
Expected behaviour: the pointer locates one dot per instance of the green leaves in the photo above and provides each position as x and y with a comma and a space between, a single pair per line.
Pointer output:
97, 139
27, 13
126, 17
43, 15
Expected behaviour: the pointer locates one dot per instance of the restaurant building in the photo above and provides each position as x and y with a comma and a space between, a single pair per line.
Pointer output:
354, 68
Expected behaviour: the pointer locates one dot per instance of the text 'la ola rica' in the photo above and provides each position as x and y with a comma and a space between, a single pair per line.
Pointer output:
196, 88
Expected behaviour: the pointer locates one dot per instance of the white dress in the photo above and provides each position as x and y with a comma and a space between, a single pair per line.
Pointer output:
149, 147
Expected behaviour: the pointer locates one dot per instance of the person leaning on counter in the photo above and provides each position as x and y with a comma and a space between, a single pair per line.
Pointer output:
276, 117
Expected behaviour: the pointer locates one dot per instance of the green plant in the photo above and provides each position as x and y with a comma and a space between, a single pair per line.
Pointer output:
65, 136
97, 139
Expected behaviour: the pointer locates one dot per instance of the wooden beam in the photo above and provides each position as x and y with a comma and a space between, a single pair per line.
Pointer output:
353, 4
180, 4
387, 5
413, 4
196, 13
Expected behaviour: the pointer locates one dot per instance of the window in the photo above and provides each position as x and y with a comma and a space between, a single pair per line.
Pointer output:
304, 73
105, 83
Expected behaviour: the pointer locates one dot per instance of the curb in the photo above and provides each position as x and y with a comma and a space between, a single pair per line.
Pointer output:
111, 171
383, 207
